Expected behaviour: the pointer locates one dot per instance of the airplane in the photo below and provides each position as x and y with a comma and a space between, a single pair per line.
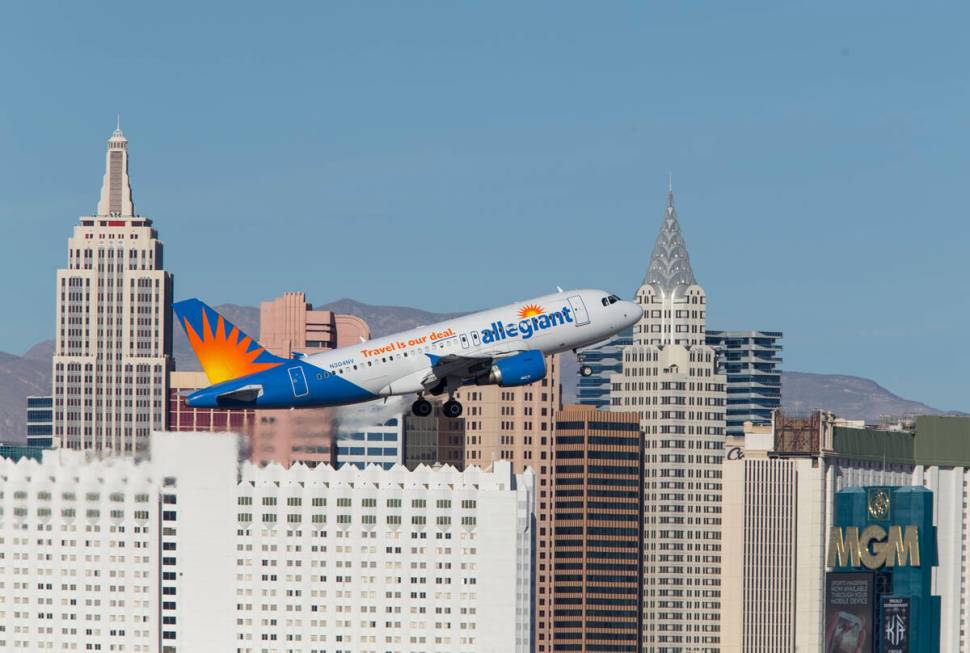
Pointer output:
505, 346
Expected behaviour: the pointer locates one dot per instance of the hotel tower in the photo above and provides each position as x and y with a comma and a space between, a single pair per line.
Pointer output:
669, 377
113, 339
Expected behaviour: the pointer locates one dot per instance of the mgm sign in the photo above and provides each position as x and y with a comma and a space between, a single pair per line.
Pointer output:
875, 547
881, 554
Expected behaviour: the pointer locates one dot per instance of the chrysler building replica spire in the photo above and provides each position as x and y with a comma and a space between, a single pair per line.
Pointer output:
669, 268
113, 339
669, 377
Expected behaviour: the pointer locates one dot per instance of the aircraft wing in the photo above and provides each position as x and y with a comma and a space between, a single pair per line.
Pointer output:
463, 367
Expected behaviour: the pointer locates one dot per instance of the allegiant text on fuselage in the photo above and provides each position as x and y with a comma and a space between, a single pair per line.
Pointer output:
497, 331
526, 328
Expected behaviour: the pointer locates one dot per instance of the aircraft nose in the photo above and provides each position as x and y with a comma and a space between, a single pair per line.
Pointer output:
632, 313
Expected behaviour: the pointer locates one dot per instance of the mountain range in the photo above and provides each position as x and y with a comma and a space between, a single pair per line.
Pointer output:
847, 396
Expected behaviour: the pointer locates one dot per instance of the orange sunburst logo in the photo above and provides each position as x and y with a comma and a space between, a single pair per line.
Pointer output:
531, 310
224, 356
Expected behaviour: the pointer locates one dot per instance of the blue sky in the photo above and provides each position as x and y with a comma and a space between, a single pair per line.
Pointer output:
453, 157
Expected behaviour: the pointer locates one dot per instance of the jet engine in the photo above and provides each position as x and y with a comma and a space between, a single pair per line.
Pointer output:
520, 369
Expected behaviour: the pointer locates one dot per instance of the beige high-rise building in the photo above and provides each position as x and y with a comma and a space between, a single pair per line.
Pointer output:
517, 424
510, 423
113, 338
669, 378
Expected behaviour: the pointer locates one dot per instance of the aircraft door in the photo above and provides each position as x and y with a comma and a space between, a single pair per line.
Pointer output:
298, 381
580, 314
476, 339
464, 340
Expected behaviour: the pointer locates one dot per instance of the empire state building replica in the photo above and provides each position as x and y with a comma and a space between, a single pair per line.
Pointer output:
113, 340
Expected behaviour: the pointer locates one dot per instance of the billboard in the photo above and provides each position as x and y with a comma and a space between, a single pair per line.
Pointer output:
849, 612
895, 624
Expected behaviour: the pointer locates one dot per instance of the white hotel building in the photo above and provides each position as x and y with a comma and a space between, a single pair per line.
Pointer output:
189, 551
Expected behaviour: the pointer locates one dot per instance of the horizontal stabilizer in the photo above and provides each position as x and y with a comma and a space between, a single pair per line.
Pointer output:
247, 393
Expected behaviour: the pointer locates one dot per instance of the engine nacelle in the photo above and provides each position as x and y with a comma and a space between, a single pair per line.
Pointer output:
520, 369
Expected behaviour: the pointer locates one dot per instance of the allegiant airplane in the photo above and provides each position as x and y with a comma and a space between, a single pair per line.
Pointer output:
503, 346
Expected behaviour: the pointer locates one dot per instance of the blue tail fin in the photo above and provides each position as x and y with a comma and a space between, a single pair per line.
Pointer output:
224, 351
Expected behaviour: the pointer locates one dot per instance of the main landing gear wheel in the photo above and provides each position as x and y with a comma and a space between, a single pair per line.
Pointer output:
421, 408
586, 370
451, 408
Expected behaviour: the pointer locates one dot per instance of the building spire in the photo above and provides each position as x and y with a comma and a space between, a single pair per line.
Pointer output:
116, 198
670, 192
669, 268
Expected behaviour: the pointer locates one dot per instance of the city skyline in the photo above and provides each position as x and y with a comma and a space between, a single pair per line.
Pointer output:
826, 175
731, 203
930, 400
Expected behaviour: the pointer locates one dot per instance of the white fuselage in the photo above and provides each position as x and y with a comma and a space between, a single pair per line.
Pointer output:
400, 363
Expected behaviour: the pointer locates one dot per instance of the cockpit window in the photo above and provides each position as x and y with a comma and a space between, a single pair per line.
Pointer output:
606, 301
613, 299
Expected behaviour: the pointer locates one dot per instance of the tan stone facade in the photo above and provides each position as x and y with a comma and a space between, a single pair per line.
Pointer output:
759, 545
511, 423
113, 338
